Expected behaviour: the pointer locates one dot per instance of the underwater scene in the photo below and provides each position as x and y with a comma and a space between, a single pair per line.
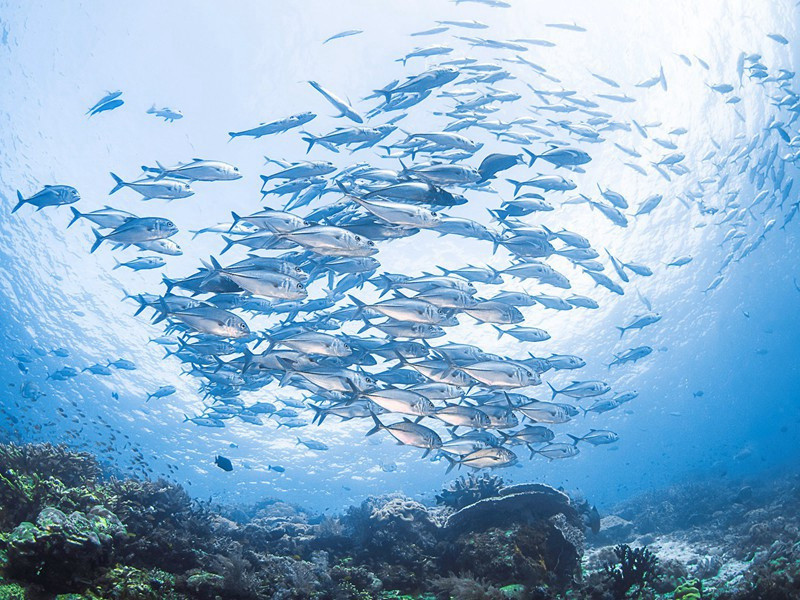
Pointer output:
409, 299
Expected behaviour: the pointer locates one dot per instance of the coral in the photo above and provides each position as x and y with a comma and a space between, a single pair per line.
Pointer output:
468, 490
12, 591
634, 570
466, 587
689, 590
61, 551
128, 583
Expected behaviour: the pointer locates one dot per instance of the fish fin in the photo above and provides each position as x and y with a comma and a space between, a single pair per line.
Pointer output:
378, 426
517, 185
452, 464
555, 391
621, 331
20, 202
532, 155
98, 239
117, 265
575, 439
228, 244
76, 215
119, 184
500, 332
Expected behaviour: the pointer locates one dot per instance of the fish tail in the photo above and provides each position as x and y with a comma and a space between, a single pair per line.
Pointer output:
532, 155
76, 215
555, 391
228, 244
98, 239
168, 282
361, 305
319, 414
387, 94
621, 332
309, 139
20, 202
233, 134
119, 184
452, 462
500, 332
117, 265
378, 426
575, 439
517, 185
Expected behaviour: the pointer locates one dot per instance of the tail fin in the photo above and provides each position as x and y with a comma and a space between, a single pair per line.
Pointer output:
119, 184
228, 244
98, 239
532, 155
310, 140
117, 265
555, 391
500, 332
378, 426
621, 331
319, 414
387, 94
517, 185
233, 134
20, 202
76, 215
452, 462
361, 305
575, 439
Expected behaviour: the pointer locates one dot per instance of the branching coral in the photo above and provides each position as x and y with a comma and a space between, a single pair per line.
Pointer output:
634, 570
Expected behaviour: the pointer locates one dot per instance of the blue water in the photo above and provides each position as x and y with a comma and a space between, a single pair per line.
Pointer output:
231, 66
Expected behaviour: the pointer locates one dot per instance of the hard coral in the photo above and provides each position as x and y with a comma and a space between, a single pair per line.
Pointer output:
470, 489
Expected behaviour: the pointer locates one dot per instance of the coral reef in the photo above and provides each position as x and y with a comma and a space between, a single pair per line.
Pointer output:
69, 531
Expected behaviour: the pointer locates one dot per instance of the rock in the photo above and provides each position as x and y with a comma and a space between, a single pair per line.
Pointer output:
614, 530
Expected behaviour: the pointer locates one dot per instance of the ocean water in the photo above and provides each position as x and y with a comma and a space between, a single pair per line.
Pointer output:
717, 396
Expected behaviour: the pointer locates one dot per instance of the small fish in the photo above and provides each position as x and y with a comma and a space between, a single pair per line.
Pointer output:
223, 463
165, 113
343, 34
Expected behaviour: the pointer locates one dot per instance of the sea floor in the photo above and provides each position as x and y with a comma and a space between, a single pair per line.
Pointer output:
69, 530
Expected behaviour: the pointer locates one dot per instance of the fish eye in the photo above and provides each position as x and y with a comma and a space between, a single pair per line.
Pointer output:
358, 238
370, 243
434, 214
242, 326
236, 169
299, 286
170, 224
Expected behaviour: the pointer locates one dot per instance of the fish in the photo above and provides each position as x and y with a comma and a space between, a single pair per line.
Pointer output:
343, 34
639, 322
137, 230
169, 115
50, 195
582, 389
107, 99
197, 170
595, 437
273, 127
223, 463
168, 189
344, 108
